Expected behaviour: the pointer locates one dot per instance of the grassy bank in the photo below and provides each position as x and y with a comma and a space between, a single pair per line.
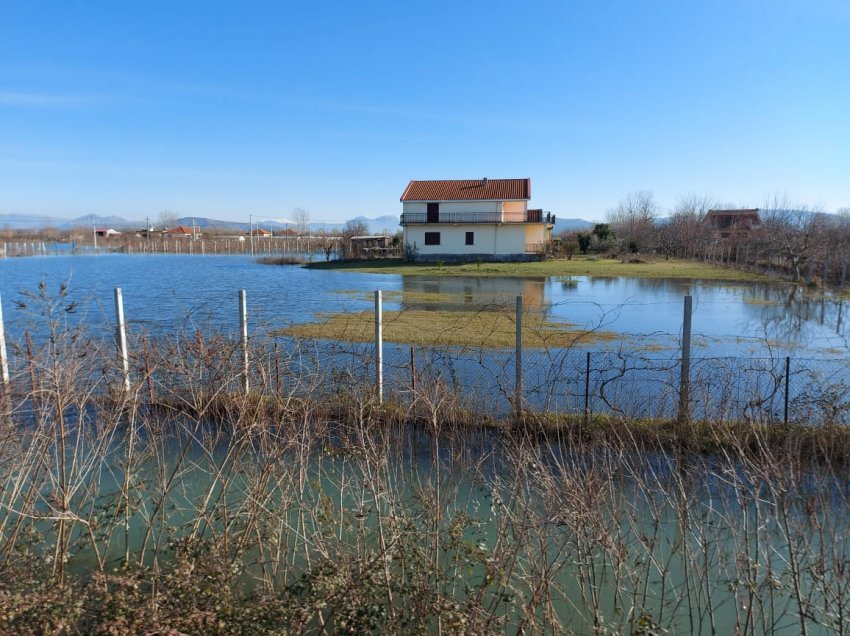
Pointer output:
578, 266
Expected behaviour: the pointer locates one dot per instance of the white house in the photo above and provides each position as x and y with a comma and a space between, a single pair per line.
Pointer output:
485, 219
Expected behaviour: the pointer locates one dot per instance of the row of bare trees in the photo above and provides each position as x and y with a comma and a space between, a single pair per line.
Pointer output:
793, 238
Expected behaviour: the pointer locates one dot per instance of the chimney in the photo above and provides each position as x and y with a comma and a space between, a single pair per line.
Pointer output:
484, 182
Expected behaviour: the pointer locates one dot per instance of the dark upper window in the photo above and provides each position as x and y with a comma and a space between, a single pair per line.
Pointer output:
470, 238
433, 213
432, 238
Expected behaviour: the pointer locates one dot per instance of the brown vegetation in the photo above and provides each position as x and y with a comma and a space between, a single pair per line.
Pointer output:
186, 505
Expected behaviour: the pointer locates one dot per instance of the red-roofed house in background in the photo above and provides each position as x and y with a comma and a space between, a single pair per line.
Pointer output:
182, 231
729, 222
479, 219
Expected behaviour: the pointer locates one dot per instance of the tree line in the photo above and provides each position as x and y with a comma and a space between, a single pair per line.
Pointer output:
795, 239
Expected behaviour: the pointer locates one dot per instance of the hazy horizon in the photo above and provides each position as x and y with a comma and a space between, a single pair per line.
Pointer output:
221, 111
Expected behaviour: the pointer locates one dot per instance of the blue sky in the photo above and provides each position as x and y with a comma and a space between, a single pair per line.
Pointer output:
227, 109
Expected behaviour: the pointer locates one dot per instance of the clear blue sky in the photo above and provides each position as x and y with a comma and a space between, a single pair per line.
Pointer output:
225, 109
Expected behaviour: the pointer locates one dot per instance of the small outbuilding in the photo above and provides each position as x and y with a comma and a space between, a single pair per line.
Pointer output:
369, 246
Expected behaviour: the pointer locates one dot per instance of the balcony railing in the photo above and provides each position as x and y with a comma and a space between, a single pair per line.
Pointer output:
529, 216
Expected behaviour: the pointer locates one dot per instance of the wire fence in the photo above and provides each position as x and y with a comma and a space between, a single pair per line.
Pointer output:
482, 379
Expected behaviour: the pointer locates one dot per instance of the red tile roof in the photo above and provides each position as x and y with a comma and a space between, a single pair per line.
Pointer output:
468, 190
179, 229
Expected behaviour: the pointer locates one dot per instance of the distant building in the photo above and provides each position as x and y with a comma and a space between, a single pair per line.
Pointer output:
733, 222
182, 231
476, 219
106, 232
260, 232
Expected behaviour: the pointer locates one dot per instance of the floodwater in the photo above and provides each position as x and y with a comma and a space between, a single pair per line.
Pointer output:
178, 292
635, 560
163, 293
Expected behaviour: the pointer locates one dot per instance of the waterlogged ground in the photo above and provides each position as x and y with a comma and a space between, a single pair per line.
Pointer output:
474, 525
625, 541
180, 292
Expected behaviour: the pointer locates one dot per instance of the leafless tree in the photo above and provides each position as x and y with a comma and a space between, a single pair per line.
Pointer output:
302, 220
633, 220
684, 233
351, 229
329, 243
167, 218
793, 233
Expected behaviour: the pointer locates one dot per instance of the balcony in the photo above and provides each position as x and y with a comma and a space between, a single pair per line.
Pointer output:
529, 216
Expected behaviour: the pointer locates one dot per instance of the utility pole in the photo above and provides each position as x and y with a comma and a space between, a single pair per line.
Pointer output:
685, 370
379, 346
148, 228
251, 232
94, 233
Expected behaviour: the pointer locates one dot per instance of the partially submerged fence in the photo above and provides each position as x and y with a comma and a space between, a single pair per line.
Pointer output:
491, 381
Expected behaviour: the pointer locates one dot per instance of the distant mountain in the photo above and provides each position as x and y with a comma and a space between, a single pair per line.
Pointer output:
379, 225
89, 220
26, 221
388, 223
206, 223
571, 225
798, 218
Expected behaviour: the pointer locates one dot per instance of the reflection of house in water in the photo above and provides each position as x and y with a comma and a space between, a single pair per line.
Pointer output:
449, 293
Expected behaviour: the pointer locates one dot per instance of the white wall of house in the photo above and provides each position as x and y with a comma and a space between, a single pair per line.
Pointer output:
466, 206
491, 238
536, 233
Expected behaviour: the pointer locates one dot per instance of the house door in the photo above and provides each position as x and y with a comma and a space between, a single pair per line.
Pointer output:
433, 213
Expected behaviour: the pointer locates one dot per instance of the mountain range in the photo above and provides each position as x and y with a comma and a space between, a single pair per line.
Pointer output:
388, 223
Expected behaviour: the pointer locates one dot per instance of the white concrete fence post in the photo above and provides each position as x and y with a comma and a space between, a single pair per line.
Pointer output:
379, 347
122, 338
518, 383
4, 360
685, 376
243, 330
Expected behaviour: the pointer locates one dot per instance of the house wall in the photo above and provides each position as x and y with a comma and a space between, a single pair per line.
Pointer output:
455, 206
536, 233
490, 239
515, 206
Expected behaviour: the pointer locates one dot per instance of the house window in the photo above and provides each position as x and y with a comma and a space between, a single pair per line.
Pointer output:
470, 238
432, 238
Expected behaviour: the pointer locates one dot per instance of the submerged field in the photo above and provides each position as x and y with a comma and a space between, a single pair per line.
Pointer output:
262, 486
577, 266
495, 329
